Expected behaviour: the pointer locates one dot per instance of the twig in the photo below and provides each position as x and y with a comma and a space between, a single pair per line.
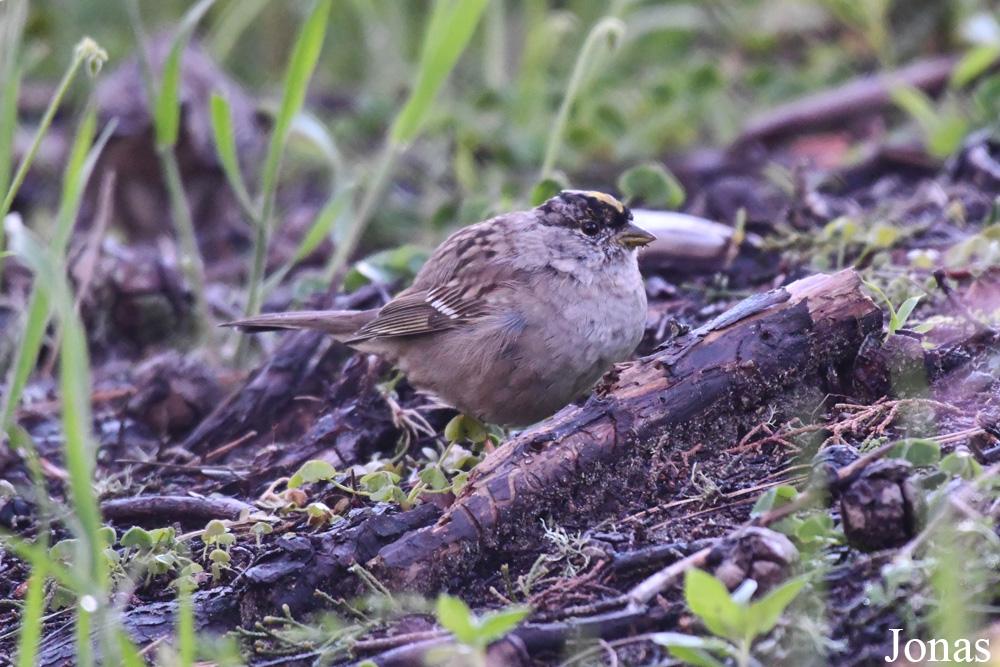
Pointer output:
651, 586
174, 507
228, 447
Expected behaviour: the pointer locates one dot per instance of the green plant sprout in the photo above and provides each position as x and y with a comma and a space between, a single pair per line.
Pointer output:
897, 318
475, 632
733, 619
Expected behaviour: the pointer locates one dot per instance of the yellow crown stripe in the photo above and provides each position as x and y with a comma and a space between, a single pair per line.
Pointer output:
600, 196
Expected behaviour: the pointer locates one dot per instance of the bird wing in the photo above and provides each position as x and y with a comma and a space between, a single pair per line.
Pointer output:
467, 278
460, 301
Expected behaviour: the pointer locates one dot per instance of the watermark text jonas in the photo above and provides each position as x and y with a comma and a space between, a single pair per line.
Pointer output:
939, 650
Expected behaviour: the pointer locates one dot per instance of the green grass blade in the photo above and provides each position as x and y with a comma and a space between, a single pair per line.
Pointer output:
31, 615
12, 26
167, 112
225, 145
130, 655
305, 54
74, 183
609, 31
74, 173
303, 60
905, 309
231, 25
334, 210
185, 626
35, 552
84, 646
75, 386
449, 30
86, 51
310, 130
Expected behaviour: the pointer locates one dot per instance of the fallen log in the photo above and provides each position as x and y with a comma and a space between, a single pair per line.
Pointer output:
708, 386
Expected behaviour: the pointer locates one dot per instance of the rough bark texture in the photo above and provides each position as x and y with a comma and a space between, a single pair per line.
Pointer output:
596, 459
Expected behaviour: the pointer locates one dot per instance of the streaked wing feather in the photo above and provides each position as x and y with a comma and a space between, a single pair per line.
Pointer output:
425, 311
454, 288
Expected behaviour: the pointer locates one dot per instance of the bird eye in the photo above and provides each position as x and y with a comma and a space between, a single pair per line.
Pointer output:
589, 227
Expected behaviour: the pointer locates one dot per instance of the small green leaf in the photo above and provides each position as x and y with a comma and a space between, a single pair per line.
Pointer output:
380, 479
962, 464
63, 550
765, 613
391, 493
106, 535
312, 471
496, 624
190, 569
652, 185
456, 617
774, 497
261, 528
547, 189
819, 526
167, 559
904, 311
883, 236
163, 535
219, 556
709, 599
213, 529
458, 481
387, 266
693, 656
434, 478
917, 451
136, 537
464, 427
225, 146
974, 63
691, 649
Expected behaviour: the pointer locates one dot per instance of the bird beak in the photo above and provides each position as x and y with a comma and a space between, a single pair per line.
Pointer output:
633, 236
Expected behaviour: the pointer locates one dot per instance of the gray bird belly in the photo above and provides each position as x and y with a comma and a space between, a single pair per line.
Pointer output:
520, 371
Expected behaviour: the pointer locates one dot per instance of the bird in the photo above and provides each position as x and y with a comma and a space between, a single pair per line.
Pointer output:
510, 319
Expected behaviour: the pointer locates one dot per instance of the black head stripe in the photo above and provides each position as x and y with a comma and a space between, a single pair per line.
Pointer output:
570, 207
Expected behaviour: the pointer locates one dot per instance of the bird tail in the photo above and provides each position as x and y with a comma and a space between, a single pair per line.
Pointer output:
341, 324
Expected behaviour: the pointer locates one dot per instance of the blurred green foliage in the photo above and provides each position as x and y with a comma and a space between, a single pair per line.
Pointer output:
686, 72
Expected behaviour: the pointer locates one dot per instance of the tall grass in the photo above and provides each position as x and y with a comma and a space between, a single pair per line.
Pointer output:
88, 577
605, 37
80, 166
13, 15
449, 29
86, 52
